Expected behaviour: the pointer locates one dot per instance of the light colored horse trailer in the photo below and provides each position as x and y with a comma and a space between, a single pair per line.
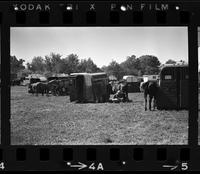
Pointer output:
150, 78
130, 78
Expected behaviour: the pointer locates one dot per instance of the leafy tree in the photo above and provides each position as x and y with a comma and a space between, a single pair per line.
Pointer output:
37, 65
16, 65
24, 73
48, 64
28, 66
131, 65
104, 68
87, 65
59, 67
53, 63
70, 64
170, 61
149, 64
48, 74
139, 73
115, 69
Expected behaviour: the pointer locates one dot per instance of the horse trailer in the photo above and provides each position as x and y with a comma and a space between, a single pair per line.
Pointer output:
89, 87
150, 78
133, 83
173, 87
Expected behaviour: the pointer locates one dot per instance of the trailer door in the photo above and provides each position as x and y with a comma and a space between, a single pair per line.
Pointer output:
167, 94
80, 88
72, 86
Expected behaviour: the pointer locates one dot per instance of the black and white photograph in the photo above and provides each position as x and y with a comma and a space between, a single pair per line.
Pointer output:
99, 85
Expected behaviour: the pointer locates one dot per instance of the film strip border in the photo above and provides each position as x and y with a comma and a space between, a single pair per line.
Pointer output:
114, 18
100, 13
99, 17
106, 157
176, 158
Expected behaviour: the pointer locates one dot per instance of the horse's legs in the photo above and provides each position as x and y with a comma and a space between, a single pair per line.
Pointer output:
47, 92
57, 91
150, 99
154, 102
145, 101
127, 99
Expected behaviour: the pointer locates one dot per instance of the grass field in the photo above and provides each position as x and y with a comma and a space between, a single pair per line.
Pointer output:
54, 120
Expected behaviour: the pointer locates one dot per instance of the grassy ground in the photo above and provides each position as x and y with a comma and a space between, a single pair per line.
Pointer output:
56, 121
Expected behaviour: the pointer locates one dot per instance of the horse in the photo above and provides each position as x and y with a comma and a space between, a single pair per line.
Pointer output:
53, 86
63, 86
40, 87
59, 87
151, 89
16, 82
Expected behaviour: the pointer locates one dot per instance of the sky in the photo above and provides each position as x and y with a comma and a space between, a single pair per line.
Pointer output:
101, 44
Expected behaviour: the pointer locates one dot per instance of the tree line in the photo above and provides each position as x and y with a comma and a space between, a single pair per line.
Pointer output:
54, 64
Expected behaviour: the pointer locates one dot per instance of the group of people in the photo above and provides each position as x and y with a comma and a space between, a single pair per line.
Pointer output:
121, 94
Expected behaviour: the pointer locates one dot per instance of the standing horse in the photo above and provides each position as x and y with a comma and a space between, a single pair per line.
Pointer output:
151, 89
53, 86
63, 86
40, 87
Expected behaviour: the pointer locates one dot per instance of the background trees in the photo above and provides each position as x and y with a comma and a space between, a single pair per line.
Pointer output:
71, 63
87, 65
131, 65
170, 61
37, 65
54, 63
16, 65
115, 69
149, 64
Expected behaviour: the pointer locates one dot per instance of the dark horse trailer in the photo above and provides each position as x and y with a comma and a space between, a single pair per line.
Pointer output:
89, 87
173, 91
